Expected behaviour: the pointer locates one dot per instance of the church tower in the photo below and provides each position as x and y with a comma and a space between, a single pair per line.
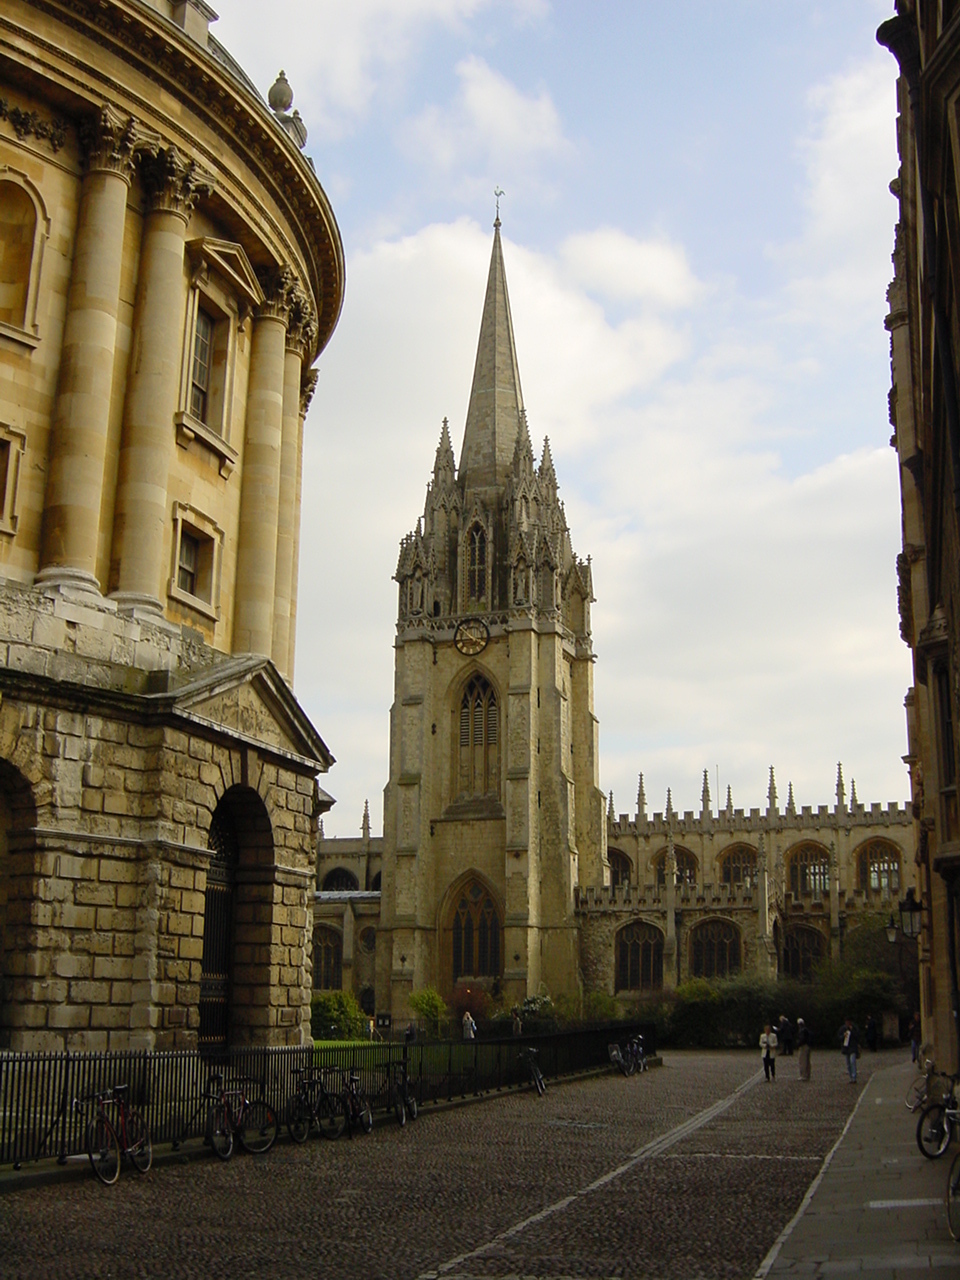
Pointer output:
493, 813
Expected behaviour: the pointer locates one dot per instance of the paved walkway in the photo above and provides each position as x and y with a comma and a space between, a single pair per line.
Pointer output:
876, 1210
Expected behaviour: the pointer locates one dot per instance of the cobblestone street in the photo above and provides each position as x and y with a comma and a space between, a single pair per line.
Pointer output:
605, 1177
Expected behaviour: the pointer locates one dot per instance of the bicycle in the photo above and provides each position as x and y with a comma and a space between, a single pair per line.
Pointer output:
355, 1104
311, 1105
935, 1128
232, 1113
953, 1198
404, 1098
108, 1140
929, 1086
529, 1056
634, 1054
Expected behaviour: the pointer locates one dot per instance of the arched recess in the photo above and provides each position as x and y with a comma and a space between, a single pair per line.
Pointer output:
477, 740
738, 867
327, 959
18, 820
803, 949
686, 867
715, 949
878, 867
237, 921
620, 867
376, 882
639, 957
340, 880
24, 228
808, 869
472, 933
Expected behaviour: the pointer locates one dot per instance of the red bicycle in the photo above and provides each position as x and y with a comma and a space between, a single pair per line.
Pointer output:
110, 1139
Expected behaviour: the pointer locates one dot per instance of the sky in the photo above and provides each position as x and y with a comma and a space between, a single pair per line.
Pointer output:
697, 231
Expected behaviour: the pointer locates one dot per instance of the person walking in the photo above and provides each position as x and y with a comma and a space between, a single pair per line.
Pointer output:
768, 1049
915, 1035
469, 1026
803, 1049
850, 1046
785, 1036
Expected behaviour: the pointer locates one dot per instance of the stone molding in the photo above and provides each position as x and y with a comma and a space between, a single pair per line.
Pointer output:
26, 123
173, 183
307, 387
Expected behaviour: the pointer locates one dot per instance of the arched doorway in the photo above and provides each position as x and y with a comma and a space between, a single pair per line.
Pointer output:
224, 845
18, 819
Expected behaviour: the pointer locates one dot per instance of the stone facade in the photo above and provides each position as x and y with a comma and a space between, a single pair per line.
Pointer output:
170, 270
924, 414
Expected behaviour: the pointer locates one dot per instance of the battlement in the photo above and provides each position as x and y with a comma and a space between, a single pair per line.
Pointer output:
757, 821
595, 899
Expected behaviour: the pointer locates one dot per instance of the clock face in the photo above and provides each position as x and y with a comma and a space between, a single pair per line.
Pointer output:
471, 637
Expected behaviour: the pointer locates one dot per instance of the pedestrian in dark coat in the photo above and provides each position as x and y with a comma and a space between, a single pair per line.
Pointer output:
850, 1046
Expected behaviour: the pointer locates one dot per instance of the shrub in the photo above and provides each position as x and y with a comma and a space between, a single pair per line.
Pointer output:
599, 1006
336, 1015
430, 1008
538, 1014
477, 1000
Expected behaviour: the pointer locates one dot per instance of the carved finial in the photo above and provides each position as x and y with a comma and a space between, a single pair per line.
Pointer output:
611, 812
669, 804
729, 801
853, 793
280, 96
498, 193
841, 797
791, 807
320, 833
641, 802
772, 793
705, 794
365, 824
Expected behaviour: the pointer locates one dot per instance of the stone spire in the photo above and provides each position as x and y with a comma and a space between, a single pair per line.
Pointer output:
729, 801
772, 793
641, 802
669, 804
444, 464
791, 807
496, 401
841, 794
853, 793
611, 813
705, 805
365, 824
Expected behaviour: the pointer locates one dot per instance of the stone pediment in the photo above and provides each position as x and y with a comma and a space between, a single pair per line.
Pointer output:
247, 696
232, 264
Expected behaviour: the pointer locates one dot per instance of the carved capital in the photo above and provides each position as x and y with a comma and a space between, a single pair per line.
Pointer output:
172, 182
279, 285
302, 324
109, 141
307, 387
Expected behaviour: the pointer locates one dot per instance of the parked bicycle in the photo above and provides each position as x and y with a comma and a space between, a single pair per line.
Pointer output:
355, 1104
404, 1098
953, 1197
938, 1125
231, 1113
311, 1105
108, 1140
634, 1054
529, 1056
929, 1086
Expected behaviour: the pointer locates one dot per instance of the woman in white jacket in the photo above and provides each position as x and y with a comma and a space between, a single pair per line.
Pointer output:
768, 1048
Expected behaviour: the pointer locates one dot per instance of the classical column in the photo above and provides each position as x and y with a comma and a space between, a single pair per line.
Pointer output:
300, 341
71, 515
260, 484
307, 388
172, 186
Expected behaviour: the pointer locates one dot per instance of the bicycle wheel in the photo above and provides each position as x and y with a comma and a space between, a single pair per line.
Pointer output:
916, 1094
933, 1131
400, 1111
539, 1081
298, 1118
221, 1132
258, 1127
331, 1116
103, 1150
365, 1116
410, 1103
139, 1146
631, 1062
953, 1198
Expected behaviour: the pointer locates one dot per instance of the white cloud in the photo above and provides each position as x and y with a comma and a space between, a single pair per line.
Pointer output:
615, 265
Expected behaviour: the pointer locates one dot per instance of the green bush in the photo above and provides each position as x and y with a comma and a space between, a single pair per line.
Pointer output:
538, 1014
336, 1015
430, 1008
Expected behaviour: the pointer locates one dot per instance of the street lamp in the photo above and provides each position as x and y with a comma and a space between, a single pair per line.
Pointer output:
910, 916
892, 929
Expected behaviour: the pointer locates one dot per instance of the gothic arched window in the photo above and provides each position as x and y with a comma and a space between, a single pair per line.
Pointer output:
715, 949
802, 951
738, 867
639, 953
18, 225
479, 771
619, 867
327, 959
477, 935
809, 870
476, 563
340, 880
878, 866
686, 867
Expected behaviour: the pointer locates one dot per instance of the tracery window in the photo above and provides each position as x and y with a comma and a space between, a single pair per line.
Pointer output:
639, 958
878, 866
327, 959
619, 867
738, 867
477, 935
809, 870
476, 563
479, 771
340, 880
803, 950
686, 867
715, 949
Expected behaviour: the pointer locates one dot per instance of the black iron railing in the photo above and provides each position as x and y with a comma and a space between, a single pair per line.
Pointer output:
37, 1090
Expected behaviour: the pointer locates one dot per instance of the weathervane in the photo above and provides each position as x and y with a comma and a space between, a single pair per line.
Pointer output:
498, 193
